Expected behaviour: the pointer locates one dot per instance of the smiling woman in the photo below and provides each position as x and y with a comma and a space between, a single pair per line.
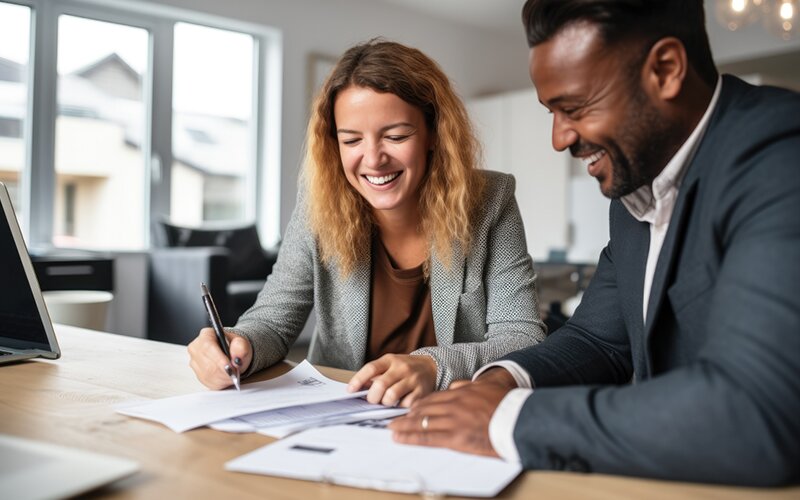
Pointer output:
414, 261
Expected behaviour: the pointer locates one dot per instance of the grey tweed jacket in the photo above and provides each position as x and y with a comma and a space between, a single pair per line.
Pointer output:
484, 306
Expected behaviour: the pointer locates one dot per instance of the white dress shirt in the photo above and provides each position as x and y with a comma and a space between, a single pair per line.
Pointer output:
652, 204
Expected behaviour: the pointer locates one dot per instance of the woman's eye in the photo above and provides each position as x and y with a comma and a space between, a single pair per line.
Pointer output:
350, 142
396, 138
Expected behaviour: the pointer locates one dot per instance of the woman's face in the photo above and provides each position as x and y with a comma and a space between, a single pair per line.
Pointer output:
383, 144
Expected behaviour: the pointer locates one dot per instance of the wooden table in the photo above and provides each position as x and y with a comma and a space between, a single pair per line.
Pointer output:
69, 401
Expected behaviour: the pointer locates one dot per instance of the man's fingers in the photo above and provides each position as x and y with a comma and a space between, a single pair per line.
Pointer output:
459, 383
412, 421
442, 439
436, 398
454, 439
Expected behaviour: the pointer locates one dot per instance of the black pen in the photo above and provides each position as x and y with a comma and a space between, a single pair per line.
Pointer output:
231, 369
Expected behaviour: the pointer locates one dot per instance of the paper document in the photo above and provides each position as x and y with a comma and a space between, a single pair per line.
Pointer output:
366, 457
359, 417
285, 421
301, 386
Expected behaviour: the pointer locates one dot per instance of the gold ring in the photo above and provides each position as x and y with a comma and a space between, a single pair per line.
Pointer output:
425, 423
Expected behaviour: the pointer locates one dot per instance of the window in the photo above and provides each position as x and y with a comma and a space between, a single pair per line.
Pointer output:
148, 113
101, 172
212, 124
15, 21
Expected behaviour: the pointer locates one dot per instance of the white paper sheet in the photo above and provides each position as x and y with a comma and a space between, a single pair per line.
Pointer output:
285, 421
302, 385
360, 417
366, 457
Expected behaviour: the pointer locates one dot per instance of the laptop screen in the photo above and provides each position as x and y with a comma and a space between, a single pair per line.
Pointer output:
21, 325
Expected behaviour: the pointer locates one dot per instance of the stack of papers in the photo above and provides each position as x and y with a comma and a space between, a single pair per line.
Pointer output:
285, 421
297, 400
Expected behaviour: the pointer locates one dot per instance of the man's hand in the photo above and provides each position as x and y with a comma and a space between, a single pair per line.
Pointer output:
457, 418
396, 379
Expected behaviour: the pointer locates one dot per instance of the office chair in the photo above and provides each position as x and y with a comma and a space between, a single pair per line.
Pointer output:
229, 260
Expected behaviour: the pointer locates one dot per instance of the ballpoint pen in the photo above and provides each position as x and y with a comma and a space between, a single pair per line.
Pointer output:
216, 323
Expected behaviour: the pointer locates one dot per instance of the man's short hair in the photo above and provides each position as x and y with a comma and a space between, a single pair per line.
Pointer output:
626, 20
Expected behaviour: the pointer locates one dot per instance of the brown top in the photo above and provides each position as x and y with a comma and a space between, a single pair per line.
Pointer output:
400, 316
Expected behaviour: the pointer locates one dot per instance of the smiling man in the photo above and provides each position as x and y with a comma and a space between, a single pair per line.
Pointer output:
683, 360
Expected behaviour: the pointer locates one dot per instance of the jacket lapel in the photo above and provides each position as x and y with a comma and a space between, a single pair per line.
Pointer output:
669, 249
446, 287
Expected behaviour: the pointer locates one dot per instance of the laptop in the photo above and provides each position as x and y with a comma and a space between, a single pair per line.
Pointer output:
32, 470
25, 328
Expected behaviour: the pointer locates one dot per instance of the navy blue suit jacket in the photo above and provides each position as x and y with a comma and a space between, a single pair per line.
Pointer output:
708, 387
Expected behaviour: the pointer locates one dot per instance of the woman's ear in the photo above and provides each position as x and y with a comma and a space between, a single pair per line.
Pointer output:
432, 145
665, 68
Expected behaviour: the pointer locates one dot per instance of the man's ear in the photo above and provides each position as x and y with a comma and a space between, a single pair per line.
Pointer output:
665, 68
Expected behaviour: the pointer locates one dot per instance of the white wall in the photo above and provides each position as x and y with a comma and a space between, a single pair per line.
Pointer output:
515, 131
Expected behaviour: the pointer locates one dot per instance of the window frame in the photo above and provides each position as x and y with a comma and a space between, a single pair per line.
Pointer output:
38, 178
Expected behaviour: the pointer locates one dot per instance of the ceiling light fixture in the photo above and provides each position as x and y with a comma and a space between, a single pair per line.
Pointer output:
779, 17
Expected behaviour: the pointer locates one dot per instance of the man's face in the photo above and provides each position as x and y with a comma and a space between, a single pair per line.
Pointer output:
600, 111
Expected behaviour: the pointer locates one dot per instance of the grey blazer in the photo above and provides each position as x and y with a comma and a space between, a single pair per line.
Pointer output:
484, 306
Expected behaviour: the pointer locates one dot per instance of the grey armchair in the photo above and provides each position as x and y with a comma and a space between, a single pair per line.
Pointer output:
231, 261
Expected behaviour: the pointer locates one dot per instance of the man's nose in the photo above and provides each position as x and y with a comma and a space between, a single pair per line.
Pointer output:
564, 135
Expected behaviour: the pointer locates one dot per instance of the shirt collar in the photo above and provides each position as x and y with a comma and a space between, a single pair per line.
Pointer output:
642, 201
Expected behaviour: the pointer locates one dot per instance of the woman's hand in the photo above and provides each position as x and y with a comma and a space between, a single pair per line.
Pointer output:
396, 379
209, 362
